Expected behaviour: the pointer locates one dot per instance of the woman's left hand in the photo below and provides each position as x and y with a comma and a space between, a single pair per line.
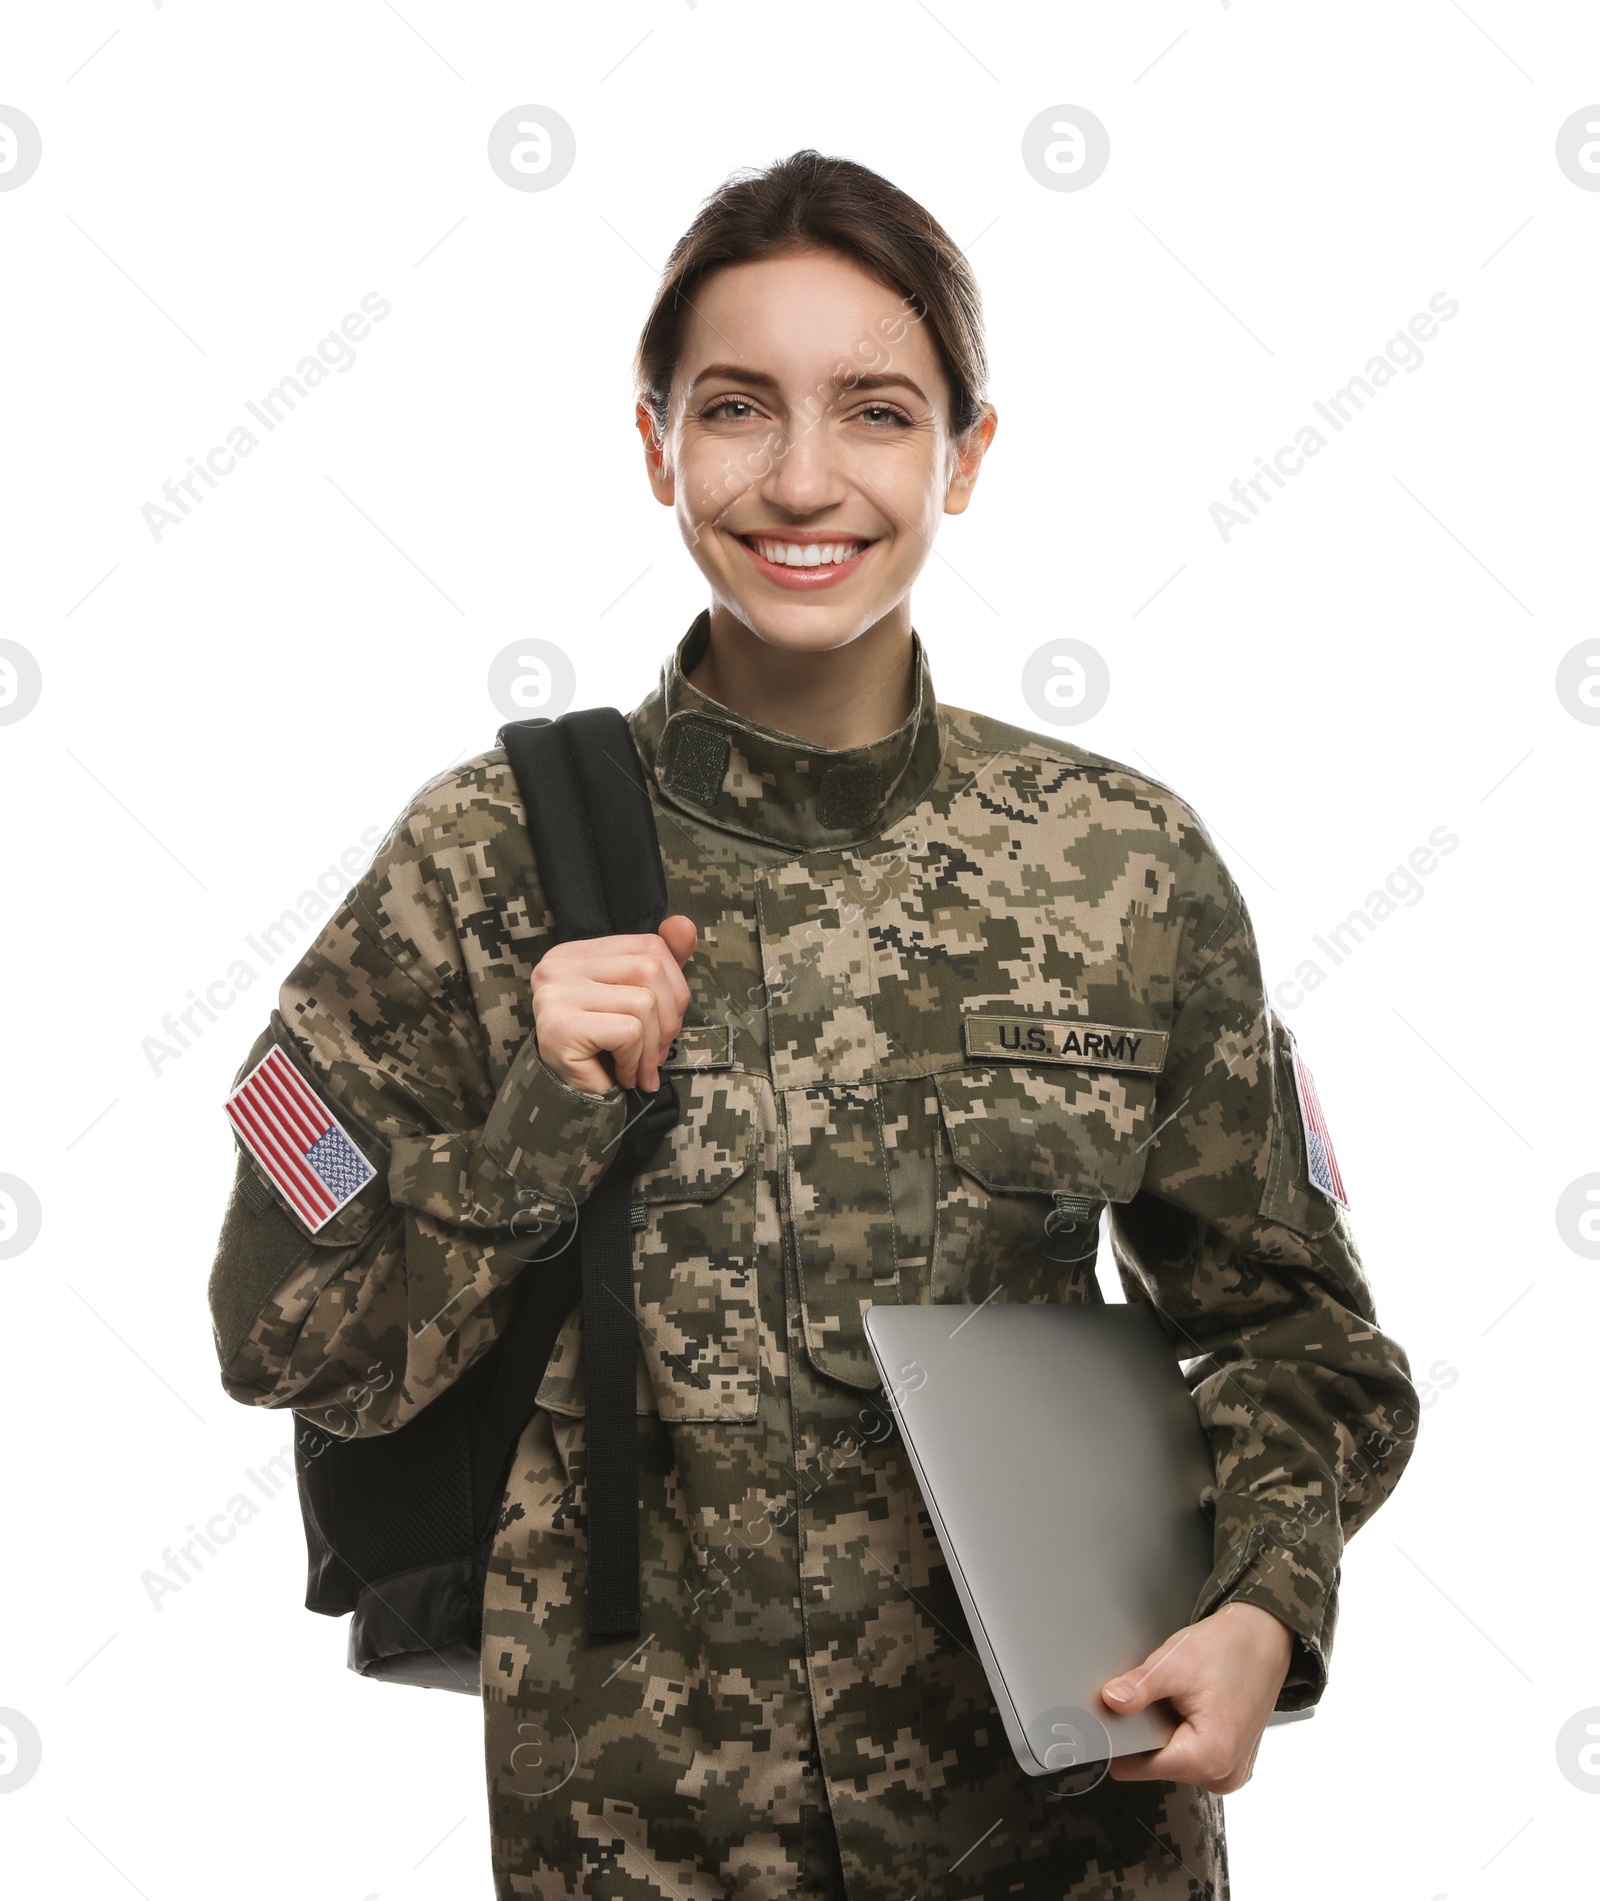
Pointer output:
1223, 1676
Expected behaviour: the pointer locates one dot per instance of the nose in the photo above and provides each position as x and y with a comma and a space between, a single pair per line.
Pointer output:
804, 476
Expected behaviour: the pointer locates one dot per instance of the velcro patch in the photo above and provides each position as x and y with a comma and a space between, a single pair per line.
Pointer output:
699, 762
1321, 1164
701, 1046
1042, 1039
301, 1147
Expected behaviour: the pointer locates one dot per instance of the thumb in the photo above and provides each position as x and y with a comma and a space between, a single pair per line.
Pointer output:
1142, 1685
680, 936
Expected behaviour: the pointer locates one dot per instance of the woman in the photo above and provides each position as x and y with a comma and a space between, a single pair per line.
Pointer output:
867, 888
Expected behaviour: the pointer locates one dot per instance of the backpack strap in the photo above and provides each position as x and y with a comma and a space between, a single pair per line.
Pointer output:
581, 782
594, 837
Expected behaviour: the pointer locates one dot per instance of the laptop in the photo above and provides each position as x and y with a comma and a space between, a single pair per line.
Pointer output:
1062, 1462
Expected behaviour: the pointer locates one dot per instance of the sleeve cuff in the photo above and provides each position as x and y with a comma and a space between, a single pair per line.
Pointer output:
537, 1158
1297, 1582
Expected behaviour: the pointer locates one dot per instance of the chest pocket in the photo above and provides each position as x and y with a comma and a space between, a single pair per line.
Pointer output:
694, 1218
1031, 1154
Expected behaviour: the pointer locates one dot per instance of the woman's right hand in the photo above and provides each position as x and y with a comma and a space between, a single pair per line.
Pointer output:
621, 995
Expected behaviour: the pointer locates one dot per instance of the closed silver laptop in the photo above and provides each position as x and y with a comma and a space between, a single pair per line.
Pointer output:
1062, 1462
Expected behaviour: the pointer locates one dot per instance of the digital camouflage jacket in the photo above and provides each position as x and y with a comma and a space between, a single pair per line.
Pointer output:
955, 993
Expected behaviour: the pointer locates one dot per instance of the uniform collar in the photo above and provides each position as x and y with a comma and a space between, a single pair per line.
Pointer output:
747, 778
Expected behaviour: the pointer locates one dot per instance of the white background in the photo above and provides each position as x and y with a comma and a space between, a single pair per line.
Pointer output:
228, 709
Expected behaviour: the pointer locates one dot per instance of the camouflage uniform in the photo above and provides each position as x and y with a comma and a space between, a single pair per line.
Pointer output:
877, 1106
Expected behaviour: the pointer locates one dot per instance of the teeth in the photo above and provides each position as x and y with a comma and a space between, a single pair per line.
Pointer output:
813, 554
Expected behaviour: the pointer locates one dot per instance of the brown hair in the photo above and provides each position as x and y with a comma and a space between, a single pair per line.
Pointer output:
807, 202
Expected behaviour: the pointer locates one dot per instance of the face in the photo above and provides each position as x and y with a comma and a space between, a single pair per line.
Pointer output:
808, 453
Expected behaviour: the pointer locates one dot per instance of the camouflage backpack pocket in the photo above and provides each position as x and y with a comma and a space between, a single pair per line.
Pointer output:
694, 1217
1030, 1157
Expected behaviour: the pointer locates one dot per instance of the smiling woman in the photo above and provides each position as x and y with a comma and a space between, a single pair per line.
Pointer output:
938, 996
809, 466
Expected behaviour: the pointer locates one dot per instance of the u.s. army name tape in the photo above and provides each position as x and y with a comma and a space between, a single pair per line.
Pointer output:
1047, 1039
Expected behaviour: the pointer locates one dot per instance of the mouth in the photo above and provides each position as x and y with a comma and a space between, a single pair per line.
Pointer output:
806, 562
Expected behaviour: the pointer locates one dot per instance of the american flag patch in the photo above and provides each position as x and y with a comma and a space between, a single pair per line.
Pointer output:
1321, 1164
289, 1130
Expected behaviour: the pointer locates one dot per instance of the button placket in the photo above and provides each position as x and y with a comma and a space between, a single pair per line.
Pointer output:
843, 1222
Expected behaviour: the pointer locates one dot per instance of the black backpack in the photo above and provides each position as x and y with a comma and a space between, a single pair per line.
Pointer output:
399, 1526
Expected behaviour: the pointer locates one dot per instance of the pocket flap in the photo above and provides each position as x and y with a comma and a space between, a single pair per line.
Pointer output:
695, 1260
709, 1146
1023, 1130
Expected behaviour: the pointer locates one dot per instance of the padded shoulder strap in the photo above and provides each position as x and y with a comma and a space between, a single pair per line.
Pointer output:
581, 781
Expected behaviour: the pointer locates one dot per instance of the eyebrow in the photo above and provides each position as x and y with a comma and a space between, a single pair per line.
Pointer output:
759, 379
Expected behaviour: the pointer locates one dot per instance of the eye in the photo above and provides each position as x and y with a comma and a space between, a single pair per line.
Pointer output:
891, 417
727, 402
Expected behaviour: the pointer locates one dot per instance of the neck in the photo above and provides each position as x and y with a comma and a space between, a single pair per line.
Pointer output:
837, 698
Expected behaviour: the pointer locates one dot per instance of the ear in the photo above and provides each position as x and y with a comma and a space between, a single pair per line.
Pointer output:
969, 452
655, 454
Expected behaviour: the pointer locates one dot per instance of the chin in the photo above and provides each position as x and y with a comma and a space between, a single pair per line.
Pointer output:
812, 630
